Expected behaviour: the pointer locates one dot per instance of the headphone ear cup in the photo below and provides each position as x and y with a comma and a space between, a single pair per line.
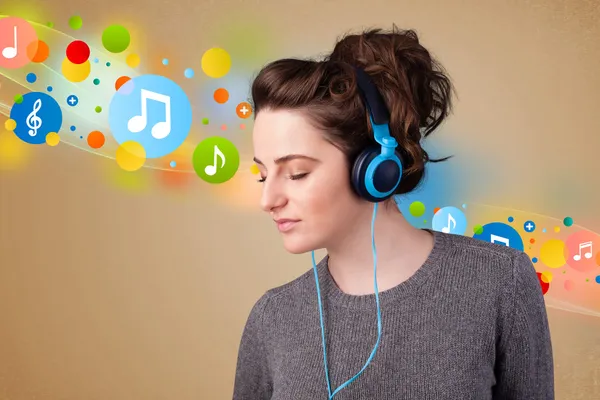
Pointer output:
359, 172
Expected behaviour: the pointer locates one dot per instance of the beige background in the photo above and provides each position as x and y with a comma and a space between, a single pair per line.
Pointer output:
108, 294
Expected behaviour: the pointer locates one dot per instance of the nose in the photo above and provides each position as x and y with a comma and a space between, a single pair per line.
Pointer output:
273, 196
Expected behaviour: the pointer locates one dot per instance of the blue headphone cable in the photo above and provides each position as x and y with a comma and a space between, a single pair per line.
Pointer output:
379, 329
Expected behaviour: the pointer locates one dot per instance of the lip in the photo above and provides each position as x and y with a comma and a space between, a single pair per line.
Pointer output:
285, 225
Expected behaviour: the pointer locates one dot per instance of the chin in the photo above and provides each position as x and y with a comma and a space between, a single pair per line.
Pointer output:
298, 245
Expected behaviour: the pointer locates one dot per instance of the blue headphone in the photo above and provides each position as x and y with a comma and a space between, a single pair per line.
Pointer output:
376, 174
377, 171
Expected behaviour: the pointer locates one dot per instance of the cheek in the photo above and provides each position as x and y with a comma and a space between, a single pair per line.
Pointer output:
326, 199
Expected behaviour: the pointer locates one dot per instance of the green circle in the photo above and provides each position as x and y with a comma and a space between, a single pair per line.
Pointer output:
75, 22
98, 109
416, 209
218, 154
205, 121
18, 98
96, 81
568, 221
116, 38
50, 24
478, 229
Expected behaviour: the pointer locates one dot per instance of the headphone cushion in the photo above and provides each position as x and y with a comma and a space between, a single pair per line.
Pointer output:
359, 173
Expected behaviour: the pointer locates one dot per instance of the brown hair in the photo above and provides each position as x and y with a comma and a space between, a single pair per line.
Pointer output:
414, 86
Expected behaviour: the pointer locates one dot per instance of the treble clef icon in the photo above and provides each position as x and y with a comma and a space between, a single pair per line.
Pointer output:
33, 121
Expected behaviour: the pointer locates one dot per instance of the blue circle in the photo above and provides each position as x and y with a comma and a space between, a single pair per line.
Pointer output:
172, 164
36, 116
72, 100
80, 137
159, 94
529, 226
534, 260
501, 234
72, 128
165, 61
598, 279
450, 220
189, 73
49, 88
108, 64
31, 78
510, 219
464, 206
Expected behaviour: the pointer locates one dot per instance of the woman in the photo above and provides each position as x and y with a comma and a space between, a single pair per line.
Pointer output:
447, 317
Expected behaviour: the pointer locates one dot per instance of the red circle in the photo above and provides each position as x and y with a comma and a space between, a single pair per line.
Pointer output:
78, 52
545, 285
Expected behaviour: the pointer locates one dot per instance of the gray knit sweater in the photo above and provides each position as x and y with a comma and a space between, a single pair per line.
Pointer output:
471, 323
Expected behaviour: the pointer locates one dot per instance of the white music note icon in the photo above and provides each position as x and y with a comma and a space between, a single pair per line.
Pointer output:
499, 239
588, 254
212, 169
10, 52
138, 123
447, 229
33, 121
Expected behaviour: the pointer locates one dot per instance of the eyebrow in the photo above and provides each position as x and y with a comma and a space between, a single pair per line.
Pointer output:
289, 157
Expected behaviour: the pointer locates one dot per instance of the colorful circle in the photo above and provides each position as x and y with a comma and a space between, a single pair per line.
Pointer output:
96, 139
78, 52
568, 221
188, 73
221, 96
151, 110
552, 253
98, 109
52, 139
581, 247
243, 110
450, 220
18, 98
545, 285
569, 285
416, 209
121, 81
478, 229
10, 125
529, 226
116, 39
216, 63
31, 78
510, 219
131, 156
216, 160
72, 100
38, 52
165, 61
38, 115
75, 22
254, 170
76, 72
132, 60
501, 234
18, 41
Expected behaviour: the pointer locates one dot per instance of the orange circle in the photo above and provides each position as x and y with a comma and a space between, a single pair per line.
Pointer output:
221, 96
532, 240
243, 110
96, 139
435, 210
38, 51
121, 81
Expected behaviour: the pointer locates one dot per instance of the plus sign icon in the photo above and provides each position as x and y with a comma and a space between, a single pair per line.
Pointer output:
243, 110
529, 226
72, 100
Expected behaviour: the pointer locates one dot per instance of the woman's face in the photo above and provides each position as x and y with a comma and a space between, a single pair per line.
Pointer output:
306, 185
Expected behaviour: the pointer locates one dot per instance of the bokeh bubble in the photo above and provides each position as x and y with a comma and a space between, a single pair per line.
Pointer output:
78, 52
52, 139
116, 39
552, 253
221, 95
569, 285
10, 125
580, 251
121, 81
96, 139
18, 56
18, 98
165, 61
38, 52
131, 156
75, 72
416, 209
547, 276
254, 169
98, 109
188, 73
545, 285
133, 60
31, 77
568, 221
478, 229
216, 62
75, 22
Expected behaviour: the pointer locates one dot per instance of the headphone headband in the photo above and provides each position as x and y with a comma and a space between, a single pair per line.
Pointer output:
372, 97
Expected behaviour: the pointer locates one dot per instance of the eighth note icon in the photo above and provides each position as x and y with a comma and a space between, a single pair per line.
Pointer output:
138, 123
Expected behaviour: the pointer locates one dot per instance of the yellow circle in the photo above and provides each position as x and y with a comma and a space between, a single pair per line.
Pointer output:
131, 156
552, 253
547, 277
254, 169
557, 229
216, 62
52, 139
10, 125
133, 60
13, 151
76, 72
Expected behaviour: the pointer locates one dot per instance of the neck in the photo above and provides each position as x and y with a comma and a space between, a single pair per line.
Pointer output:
401, 250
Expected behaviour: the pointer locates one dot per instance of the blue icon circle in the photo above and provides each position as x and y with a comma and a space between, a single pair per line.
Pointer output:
36, 116
72, 100
153, 111
449, 220
501, 234
529, 226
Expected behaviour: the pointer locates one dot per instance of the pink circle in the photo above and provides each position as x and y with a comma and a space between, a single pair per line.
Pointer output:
18, 42
580, 248
569, 285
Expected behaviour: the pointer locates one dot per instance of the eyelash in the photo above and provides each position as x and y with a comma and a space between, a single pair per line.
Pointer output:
292, 177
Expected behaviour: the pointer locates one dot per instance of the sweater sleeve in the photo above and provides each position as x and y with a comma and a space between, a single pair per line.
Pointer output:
524, 364
252, 376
